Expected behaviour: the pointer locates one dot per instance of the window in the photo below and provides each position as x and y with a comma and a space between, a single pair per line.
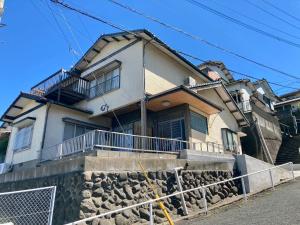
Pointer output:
172, 129
23, 138
229, 139
105, 83
199, 123
73, 130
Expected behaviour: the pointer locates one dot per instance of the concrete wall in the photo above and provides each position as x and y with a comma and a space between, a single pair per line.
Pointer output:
93, 188
261, 181
32, 153
131, 78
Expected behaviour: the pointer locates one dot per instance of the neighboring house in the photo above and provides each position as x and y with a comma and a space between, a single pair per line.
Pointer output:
126, 82
256, 100
4, 137
288, 111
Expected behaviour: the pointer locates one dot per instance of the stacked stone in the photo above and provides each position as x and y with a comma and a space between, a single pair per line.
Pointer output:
103, 192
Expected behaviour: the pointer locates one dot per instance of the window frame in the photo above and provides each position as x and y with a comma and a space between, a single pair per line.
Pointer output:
23, 147
103, 80
75, 125
192, 113
225, 131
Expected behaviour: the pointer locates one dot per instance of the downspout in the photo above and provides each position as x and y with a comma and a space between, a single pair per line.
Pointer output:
143, 100
44, 130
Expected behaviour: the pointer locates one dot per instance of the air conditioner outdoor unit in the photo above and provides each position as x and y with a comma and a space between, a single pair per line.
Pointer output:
189, 81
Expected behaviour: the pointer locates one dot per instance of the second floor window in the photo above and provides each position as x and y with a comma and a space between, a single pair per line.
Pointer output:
105, 83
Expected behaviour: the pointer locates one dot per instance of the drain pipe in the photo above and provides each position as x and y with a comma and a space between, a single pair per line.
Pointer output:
44, 130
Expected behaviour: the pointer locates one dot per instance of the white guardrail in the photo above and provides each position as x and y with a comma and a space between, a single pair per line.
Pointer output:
202, 188
108, 140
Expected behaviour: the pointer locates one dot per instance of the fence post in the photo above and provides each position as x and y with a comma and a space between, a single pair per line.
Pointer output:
179, 188
60, 151
271, 179
52, 206
151, 213
83, 144
93, 139
244, 189
204, 199
292, 171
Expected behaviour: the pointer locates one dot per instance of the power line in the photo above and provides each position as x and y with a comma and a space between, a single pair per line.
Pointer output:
234, 71
281, 10
60, 28
241, 23
197, 38
255, 20
125, 30
272, 14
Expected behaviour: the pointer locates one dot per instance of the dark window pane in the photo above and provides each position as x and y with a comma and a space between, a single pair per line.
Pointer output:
199, 123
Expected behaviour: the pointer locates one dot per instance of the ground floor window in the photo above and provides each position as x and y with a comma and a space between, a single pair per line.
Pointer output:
229, 139
73, 130
199, 123
23, 138
172, 129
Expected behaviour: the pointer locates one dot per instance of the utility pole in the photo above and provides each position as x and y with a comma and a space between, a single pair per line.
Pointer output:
1, 12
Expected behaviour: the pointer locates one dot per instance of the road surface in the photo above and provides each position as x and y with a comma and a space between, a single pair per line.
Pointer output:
279, 207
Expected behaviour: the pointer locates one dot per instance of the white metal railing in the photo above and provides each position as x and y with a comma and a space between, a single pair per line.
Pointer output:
107, 140
150, 202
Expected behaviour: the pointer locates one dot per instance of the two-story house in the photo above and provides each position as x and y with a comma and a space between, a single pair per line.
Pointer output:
129, 91
256, 100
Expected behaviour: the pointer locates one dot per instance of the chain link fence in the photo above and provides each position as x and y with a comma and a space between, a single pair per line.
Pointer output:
27, 207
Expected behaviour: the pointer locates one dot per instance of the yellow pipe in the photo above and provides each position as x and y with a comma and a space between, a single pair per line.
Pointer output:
160, 203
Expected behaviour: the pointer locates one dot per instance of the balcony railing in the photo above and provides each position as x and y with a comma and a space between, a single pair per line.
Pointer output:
62, 83
106, 140
245, 106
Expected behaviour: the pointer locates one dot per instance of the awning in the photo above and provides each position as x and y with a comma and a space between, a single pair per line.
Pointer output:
181, 95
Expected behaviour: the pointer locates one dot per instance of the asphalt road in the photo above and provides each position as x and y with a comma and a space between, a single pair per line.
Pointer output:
279, 207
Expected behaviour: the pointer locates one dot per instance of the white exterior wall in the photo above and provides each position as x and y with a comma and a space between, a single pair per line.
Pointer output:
55, 124
224, 119
131, 78
162, 72
36, 141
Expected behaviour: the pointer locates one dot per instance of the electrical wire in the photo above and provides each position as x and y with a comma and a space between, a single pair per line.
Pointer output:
272, 14
234, 71
241, 23
125, 30
281, 10
255, 20
197, 38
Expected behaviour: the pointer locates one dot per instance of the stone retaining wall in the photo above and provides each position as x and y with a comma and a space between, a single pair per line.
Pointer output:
85, 194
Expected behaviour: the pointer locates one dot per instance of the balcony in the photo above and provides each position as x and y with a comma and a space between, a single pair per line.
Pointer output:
62, 87
114, 141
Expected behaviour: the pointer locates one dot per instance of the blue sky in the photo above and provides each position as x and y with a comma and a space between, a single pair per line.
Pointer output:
32, 46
